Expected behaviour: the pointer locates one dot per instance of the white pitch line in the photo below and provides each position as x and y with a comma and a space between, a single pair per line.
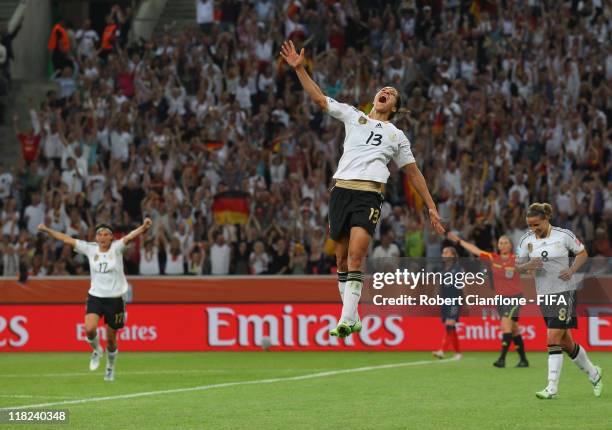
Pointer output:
128, 372
138, 372
28, 396
233, 384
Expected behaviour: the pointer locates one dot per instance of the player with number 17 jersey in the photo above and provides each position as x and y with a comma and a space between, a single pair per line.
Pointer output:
107, 276
107, 288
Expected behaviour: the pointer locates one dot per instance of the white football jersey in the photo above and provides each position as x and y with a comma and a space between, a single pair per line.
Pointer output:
554, 252
369, 145
107, 277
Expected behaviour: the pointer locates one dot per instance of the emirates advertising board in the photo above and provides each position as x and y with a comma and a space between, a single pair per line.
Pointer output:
400, 309
281, 327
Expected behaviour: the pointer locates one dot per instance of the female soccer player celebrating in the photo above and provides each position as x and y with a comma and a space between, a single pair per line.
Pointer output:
544, 251
506, 282
108, 285
354, 210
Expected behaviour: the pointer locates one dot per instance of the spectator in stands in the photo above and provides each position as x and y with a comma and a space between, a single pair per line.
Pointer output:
175, 260
7, 36
10, 258
149, 259
87, 41
59, 46
279, 264
259, 259
66, 78
109, 35
241, 259
30, 142
34, 213
205, 14
386, 249
196, 261
220, 255
6, 183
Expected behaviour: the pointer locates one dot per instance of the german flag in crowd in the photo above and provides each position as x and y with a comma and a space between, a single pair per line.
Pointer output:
213, 145
231, 207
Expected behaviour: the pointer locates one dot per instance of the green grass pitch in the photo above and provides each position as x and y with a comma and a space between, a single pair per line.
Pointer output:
274, 390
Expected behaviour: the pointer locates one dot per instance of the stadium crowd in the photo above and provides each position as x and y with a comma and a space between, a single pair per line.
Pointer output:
509, 103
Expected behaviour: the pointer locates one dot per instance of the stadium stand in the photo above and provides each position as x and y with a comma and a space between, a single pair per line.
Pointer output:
203, 129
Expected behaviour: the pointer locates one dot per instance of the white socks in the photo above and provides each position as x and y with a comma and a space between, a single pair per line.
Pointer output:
111, 357
351, 296
580, 358
342, 277
555, 364
94, 343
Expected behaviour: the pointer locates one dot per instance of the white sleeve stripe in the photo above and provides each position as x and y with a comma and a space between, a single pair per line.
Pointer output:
563, 230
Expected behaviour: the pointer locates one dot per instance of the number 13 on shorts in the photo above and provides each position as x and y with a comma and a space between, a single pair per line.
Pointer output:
374, 215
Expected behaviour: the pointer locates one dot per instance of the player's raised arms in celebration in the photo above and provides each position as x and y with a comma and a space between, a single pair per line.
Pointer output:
108, 285
371, 142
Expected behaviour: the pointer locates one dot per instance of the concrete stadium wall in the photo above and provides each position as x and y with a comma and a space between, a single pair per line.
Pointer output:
30, 45
147, 17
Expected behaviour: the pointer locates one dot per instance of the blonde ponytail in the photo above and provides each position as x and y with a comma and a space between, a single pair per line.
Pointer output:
543, 210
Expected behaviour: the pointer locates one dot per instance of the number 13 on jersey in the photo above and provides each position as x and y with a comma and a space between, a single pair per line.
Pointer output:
376, 139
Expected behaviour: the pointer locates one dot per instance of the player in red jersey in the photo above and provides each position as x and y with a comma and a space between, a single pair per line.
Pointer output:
506, 281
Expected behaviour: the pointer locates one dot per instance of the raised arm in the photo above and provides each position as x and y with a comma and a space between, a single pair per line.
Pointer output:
470, 247
418, 181
296, 61
138, 231
57, 235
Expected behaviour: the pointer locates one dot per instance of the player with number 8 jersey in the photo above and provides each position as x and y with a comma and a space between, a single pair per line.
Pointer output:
108, 285
371, 142
544, 252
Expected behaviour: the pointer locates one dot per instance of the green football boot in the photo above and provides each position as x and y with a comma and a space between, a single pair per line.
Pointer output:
546, 395
342, 330
356, 328
598, 385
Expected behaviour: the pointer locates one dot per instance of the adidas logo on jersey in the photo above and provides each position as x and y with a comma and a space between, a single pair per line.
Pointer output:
379, 125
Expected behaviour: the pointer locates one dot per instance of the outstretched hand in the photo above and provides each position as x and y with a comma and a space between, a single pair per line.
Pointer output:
290, 55
436, 221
